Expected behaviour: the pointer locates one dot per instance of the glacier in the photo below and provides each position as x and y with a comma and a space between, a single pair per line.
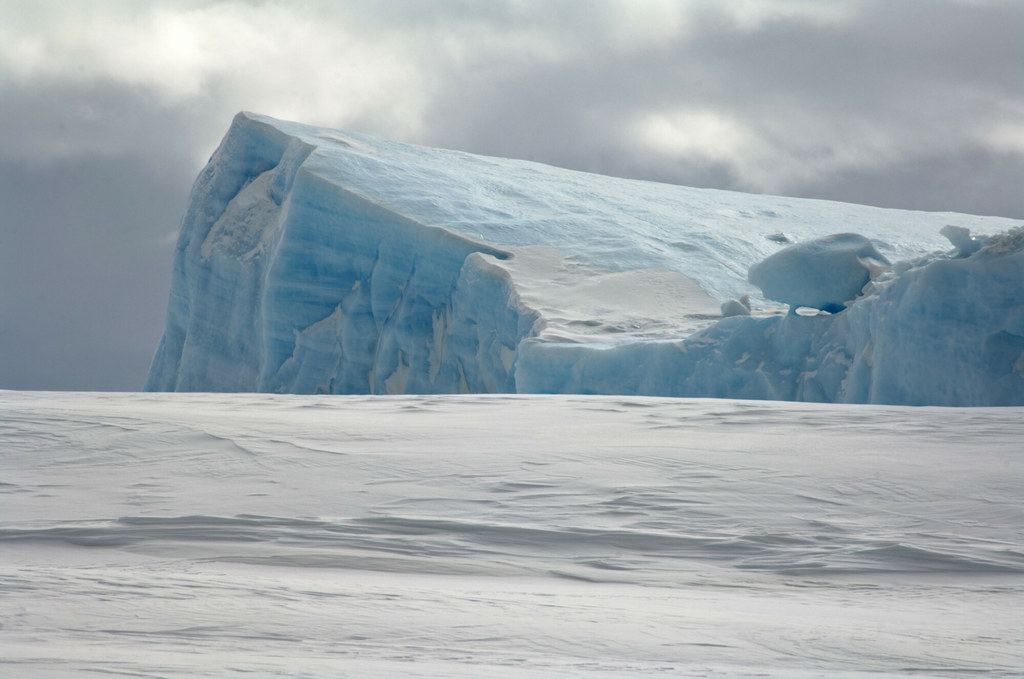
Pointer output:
313, 260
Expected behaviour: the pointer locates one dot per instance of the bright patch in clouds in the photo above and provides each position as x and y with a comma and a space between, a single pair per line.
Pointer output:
752, 14
706, 134
268, 58
1006, 138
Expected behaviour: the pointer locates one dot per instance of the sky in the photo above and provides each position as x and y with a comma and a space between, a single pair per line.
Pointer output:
109, 109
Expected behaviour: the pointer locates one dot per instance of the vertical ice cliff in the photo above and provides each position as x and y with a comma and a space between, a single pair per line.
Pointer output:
316, 261
286, 282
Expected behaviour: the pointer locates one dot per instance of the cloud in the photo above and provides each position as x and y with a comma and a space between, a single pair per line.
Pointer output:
210, 59
781, 92
83, 273
701, 133
894, 81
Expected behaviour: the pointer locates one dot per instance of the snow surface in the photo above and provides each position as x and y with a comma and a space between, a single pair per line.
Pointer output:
318, 261
198, 535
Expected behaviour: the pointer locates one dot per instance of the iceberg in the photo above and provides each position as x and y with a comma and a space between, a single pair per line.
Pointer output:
312, 260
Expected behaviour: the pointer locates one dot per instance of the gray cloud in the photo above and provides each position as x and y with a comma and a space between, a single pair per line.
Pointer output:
84, 271
109, 108
799, 103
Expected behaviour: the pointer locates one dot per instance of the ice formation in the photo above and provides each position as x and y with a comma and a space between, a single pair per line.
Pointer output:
823, 273
316, 261
961, 238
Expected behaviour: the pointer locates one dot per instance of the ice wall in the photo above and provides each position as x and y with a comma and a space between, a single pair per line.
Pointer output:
316, 261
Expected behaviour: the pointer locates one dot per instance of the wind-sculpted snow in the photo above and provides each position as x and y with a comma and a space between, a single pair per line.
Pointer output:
198, 535
824, 273
316, 261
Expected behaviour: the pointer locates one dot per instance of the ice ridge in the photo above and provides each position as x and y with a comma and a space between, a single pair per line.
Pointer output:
317, 261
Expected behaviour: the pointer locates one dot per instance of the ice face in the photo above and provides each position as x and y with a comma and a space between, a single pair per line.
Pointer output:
316, 261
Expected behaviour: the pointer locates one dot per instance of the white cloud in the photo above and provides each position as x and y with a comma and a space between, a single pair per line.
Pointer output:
1006, 137
703, 133
639, 24
752, 14
768, 155
267, 57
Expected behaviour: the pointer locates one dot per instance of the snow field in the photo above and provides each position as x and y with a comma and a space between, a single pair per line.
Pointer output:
185, 535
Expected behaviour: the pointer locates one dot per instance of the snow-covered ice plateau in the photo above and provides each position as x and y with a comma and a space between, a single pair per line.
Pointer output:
256, 535
313, 261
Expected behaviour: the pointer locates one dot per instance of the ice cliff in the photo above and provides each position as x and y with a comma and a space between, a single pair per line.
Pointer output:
317, 261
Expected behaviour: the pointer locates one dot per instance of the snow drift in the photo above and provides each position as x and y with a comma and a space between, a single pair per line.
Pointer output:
316, 261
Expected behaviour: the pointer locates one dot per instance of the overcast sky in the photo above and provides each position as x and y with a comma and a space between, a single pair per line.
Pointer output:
109, 109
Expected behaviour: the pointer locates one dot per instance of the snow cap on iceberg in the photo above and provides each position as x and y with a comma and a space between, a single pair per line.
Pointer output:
824, 273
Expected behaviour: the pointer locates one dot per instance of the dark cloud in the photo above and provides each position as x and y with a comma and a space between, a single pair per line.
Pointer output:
93, 181
983, 182
108, 110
